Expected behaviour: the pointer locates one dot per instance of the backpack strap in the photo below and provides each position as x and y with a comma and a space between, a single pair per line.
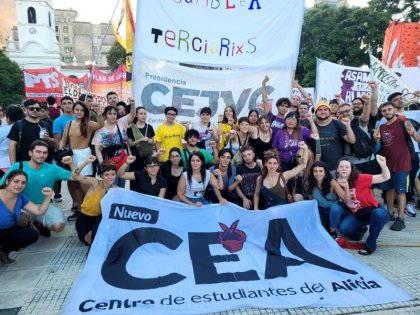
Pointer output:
20, 127
20, 165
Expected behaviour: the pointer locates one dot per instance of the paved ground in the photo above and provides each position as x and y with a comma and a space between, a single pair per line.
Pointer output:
44, 273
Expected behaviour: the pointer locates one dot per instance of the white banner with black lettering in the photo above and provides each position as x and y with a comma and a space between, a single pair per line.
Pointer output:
352, 82
161, 84
219, 32
155, 256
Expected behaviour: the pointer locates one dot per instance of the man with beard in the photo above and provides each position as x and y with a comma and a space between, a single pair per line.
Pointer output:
332, 133
395, 147
112, 98
247, 175
191, 137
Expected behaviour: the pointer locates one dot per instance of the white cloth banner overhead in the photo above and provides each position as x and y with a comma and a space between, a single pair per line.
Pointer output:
388, 81
155, 256
160, 84
216, 32
351, 82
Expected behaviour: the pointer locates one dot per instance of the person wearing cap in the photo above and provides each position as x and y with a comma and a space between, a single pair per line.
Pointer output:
394, 138
282, 104
332, 133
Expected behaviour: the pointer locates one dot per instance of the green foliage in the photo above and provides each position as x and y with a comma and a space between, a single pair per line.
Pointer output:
343, 35
12, 88
116, 56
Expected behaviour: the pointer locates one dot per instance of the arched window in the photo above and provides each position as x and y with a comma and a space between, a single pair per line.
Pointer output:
31, 15
49, 19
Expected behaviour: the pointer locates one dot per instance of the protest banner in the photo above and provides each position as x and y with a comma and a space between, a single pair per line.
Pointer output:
332, 78
156, 256
40, 83
351, 82
75, 91
161, 84
263, 32
388, 81
115, 81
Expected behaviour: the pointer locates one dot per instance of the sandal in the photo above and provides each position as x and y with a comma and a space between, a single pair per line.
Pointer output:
366, 251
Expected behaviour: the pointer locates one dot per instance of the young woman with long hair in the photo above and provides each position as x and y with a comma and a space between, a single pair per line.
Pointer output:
239, 138
226, 123
359, 206
77, 135
261, 137
286, 139
272, 183
193, 183
14, 230
172, 171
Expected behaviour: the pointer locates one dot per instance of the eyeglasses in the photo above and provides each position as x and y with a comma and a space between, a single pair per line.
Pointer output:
152, 166
170, 114
38, 109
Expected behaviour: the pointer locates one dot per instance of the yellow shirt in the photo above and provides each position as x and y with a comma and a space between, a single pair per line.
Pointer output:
91, 205
169, 137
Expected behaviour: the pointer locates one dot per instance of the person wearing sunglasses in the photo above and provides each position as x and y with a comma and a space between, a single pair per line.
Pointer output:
26, 131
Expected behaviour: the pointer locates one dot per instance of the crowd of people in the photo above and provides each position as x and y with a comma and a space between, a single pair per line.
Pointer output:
333, 152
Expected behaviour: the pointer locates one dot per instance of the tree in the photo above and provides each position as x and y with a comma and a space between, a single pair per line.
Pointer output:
343, 35
404, 11
12, 87
116, 56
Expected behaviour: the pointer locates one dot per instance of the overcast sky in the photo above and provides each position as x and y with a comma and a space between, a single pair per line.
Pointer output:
97, 11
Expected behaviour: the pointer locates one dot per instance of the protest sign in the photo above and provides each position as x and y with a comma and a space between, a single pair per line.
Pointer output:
75, 91
263, 32
155, 256
160, 84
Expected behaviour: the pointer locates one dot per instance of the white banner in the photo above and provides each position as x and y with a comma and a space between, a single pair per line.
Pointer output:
160, 84
388, 81
219, 32
332, 78
165, 257
351, 82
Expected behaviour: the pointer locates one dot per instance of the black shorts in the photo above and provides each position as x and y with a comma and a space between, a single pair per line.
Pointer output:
85, 224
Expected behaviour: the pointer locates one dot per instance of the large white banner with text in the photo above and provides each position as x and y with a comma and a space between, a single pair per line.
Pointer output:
219, 32
160, 84
155, 256
351, 82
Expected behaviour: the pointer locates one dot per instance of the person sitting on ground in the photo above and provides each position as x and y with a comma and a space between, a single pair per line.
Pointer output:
149, 180
193, 183
90, 215
272, 183
361, 208
15, 233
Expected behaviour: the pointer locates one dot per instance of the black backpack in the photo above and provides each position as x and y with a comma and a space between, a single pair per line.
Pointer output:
365, 145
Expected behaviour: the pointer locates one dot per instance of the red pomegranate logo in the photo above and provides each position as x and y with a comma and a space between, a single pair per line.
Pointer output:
231, 238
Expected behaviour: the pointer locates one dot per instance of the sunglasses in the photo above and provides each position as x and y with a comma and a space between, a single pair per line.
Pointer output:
38, 109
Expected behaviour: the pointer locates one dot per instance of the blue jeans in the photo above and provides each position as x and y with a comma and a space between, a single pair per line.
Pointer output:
348, 225
201, 199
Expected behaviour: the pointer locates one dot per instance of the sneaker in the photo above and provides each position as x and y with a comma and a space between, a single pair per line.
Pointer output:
72, 217
74, 209
5, 260
398, 225
392, 217
366, 251
58, 198
409, 210
43, 231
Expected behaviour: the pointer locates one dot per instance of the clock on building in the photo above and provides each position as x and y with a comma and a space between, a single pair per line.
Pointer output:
32, 30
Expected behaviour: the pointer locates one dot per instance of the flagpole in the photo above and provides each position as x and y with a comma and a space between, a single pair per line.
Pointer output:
100, 49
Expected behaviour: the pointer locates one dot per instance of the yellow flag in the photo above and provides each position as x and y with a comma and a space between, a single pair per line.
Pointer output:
124, 33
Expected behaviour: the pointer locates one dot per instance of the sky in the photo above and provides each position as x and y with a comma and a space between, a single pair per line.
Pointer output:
98, 11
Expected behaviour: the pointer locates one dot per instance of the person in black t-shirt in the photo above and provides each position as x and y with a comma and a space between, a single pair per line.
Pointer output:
248, 173
149, 181
27, 131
